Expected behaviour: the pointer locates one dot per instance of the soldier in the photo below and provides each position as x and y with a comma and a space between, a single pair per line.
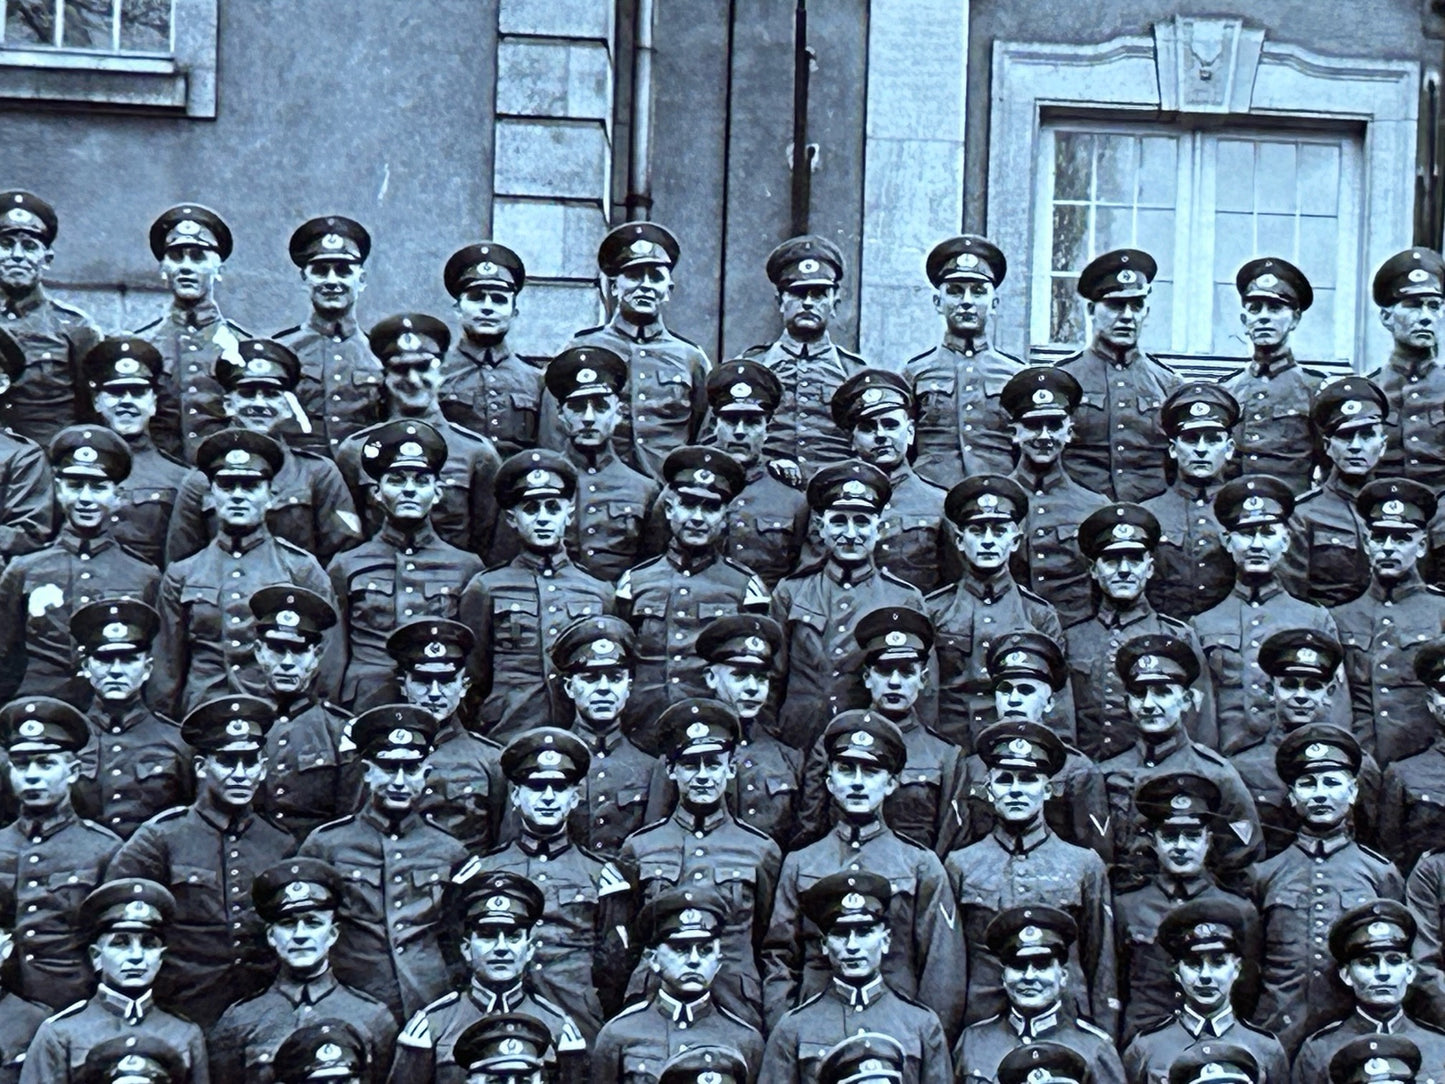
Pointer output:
613, 501
701, 843
579, 938
135, 763
877, 410
411, 347
686, 931
1252, 512
191, 243
1383, 629
209, 852
1371, 946
499, 391
870, 1057
340, 386
1425, 896
664, 375
1380, 1059
1326, 561
123, 375
925, 955
767, 522
465, 793
126, 921
40, 591
1179, 812
1118, 445
1033, 945
395, 865
19, 1018
1302, 890
1123, 542
310, 777
1274, 390
1022, 862
1040, 402
1409, 287
962, 427
329, 1050
987, 512
49, 857
824, 658
850, 911
50, 337
297, 900
1224, 1063
1159, 673
508, 1048
930, 805
27, 496
1195, 572
1411, 818
595, 657
1043, 1063
518, 608
310, 504
668, 599
406, 571
132, 1059
1208, 941
501, 913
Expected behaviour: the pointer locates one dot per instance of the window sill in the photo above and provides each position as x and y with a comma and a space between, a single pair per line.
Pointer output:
150, 83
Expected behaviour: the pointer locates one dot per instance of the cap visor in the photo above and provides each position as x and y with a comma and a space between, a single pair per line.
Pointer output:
1418, 289
125, 382
76, 470
862, 756
590, 389
699, 748
743, 406
1359, 421
1198, 424
961, 275
34, 747
854, 503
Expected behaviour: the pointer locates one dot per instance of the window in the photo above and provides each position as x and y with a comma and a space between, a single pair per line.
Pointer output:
1202, 203
103, 26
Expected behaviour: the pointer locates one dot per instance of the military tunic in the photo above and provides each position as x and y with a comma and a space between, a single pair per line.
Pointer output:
913, 539
1078, 810
148, 496
1192, 570
961, 429
1425, 896
135, 766
1326, 561
189, 401
48, 394
615, 792
802, 428
983, 1046
1148, 1058
465, 793
1048, 561
612, 505
27, 501
1274, 434
1412, 804
767, 526
309, 779
1313, 1060
19, 1020
62, 1042
1415, 431
634, 1045
393, 918
215, 949
341, 381
501, 391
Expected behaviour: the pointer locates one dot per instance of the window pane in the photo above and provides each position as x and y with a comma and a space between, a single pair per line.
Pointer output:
1155, 235
1314, 339
1113, 228
1158, 328
1073, 157
1158, 172
1319, 240
1228, 333
1071, 238
30, 24
1233, 243
145, 26
1275, 178
1275, 235
1118, 168
1234, 175
1066, 311
1319, 179
88, 24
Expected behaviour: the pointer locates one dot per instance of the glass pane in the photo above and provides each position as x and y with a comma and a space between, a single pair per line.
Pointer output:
1233, 243
1228, 333
1276, 236
1073, 154
30, 24
1234, 175
1314, 339
1275, 178
1319, 240
1066, 311
1159, 326
145, 26
1319, 179
1118, 168
88, 24
1158, 171
1113, 228
1071, 238
1155, 235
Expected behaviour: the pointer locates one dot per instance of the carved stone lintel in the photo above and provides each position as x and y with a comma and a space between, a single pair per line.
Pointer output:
1207, 65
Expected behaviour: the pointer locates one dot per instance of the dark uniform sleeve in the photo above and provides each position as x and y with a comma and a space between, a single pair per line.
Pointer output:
474, 610
1096, 947
1425, 896
27, 503
12, 630
143, 855
780, 1058
483, 517
47, 1060
187, 533
938, 944
172, 652
782, 956
937, 1065
226, 1048
954, 822
338, 527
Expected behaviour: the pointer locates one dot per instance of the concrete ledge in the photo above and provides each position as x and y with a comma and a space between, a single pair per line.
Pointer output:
563, 159
556, 240
554, 79
557, 18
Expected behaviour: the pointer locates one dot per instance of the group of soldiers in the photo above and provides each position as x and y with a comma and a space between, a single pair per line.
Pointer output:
385, 707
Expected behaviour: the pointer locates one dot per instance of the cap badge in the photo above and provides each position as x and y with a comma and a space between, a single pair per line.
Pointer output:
1123, 531
116, 630
1043, 397
137, 911
988, 501
1390, 508
1198, 409
1016, 658
399, 736
895, 639
238, 457
549, 758
1317, 751
603, 647
126, 366
704, 477
188, 228
1127, 276
1378, 1066
1308, 656
740, 391
1253, 504
131, 1063
854, 488
434, 650
333, 242
1266, 282
1418, 274
1021, 747
1378, 929
755, 643
371, 450
640, 248
511, 1047
328, 1052
1031, 934
238, 728
861, 738
586, 376
85, 454
288, 618
872, 395
497, 904
1351, 406
709, 1077
1039, 1076
409, 340
1148, 662
698, 730
32, 728
854, 901
968, 259
411, 449
1180, 801
486, 267
297, 891
808, 266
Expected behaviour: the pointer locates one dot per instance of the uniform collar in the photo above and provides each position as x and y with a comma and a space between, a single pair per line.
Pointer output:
498, 1001
84, 544
131, 1010
1345, 485
23, 305
1034, 1027
297, 706
1154, 753
344, 328
961, 344
638, 333
1257, 592
1114, 617
124, 715
490, 356
1324, 846
690, 560
1052, 478
1021, 842
859, 997
709, 822
222, 821
1396, 590
1191, 490
603, 741
232, 546
1216, 1025
195, 316
1383, 1027
544, 846
853, 833
852, 575
604, 457
804, 351
399, 826
545, 564
1109, 357
424, 535
1412, 365
451, 729
988, 588
683, 1011
60, 817
306, 991
1272, 365
1180, 889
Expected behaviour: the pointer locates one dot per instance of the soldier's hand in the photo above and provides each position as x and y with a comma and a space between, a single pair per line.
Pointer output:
786, 471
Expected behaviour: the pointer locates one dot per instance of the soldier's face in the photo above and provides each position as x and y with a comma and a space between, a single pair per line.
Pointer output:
23, 259
499, 954
87, 503
334, 285
894, 687
1041, 439
289, 668
1301, 700
1380, 979
487, 1076
412, 382
642, 291
1122, 576
395, 785
590, 420
1119, 320
1413, 322
1356, 451
545, 805
859, 788
696, 521
1394, 552
257, 407
849, 537
1323, 799
303, 942
118, 676
987, 545
741, 434
1268, 321
230, 778
486, 312
407, 495
966, 305
742, 688
126, 408
128, 959
687, 968
807, 310
856, 952
1258, 550
1206, 979
1033, 984
438, 694
884, 439
191, 271
541, 523
1018, 795
1181, 848
1158, 710
1022, 698
42, 781
601, 694
702, 778
1201, 453
241, 503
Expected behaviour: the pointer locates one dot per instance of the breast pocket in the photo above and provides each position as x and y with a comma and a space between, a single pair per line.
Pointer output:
440, 599
736, 883
373, 603
625, 517
429, 885
936, 403
203, 612
514, 624
1225, 657
954, 650
673, 397
197, 890
524, 413
659, 873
